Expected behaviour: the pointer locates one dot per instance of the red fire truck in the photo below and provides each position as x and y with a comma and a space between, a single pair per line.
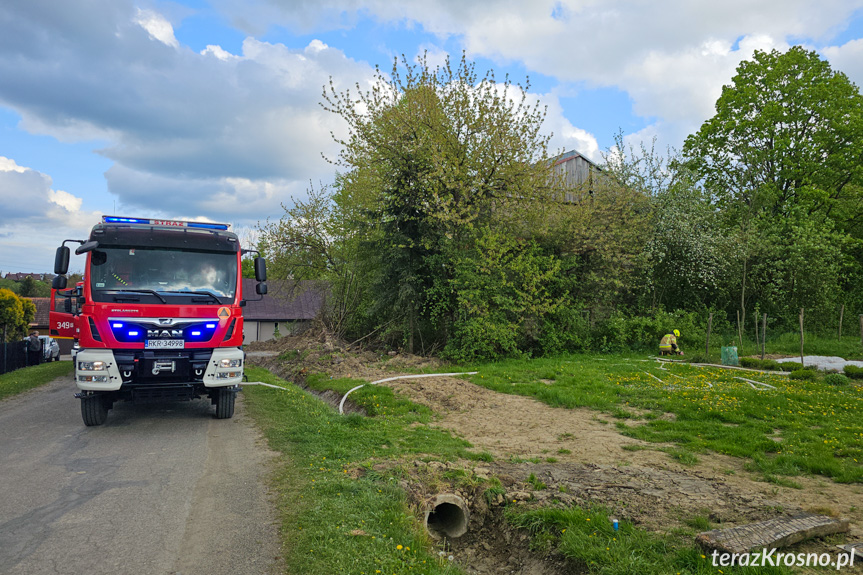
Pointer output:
159, 314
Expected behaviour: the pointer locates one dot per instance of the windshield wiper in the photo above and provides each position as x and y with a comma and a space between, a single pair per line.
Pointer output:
209, 294
147, 291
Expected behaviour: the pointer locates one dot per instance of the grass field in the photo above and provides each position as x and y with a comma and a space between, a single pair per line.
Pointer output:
850, 347
337, 520
26, 378
797, 428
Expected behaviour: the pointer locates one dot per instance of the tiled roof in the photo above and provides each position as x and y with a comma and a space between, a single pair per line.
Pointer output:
286, 300
43, 306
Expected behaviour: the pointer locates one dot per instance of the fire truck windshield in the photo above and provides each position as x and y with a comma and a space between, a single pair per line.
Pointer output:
168, 272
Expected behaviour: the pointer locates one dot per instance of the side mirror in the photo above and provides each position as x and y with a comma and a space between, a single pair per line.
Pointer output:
261, 269
86, 247
61, 261
59, 282
261, 289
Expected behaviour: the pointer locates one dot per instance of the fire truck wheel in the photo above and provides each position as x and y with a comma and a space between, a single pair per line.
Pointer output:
225, 403
94, 409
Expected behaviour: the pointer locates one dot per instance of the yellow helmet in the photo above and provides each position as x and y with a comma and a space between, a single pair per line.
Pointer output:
676, 333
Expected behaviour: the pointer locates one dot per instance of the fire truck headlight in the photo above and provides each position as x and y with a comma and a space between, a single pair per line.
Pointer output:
91, 366
231, 363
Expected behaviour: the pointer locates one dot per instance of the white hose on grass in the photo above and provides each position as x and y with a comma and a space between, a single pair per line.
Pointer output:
350, 391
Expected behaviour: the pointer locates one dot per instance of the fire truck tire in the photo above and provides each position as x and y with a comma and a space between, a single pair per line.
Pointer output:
225, 403
94, 409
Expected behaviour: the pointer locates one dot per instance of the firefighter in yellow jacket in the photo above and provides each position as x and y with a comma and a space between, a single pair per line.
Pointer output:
668, 344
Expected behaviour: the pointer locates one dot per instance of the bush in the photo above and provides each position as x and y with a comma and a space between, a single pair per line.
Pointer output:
836, 379
853, 371
803, 374
790, 365
621, 332
564, 330
757, 363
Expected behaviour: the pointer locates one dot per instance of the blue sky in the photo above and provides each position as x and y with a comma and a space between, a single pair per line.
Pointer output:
209, 109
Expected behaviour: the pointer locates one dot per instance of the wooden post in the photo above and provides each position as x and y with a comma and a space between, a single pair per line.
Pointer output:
739, 334
710, 325
841, 313
861, 329
755, 317
801, 337
763, 334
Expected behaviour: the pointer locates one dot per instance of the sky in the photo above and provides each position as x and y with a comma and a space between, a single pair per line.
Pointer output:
210, 109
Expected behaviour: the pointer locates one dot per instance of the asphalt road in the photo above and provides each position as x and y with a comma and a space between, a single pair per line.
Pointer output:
158, 489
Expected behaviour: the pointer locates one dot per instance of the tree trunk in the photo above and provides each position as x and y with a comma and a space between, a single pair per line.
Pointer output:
763, 334
707, 345
801, 337
841, 313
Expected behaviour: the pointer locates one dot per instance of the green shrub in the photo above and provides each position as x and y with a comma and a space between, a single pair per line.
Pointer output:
790, 365
804, 374
750, 362
758, 363
835, 379
621, 332
854, 372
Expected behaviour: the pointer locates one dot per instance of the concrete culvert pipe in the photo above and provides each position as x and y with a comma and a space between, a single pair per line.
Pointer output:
447, 516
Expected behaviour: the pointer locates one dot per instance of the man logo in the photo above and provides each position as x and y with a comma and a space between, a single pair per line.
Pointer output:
163, 333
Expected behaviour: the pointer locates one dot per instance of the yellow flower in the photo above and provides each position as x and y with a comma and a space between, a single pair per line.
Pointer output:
399, 547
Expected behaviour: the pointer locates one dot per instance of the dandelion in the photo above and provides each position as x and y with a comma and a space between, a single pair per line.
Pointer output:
399, 547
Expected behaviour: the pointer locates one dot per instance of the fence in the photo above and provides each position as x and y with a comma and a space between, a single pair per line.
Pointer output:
13, 355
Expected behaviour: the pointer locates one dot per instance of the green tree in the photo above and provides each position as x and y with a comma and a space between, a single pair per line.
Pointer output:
781, 158
316, 239
787, 131
34, 288
431, 154
16, 314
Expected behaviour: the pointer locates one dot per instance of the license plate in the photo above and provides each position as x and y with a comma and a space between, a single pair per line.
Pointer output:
164, 344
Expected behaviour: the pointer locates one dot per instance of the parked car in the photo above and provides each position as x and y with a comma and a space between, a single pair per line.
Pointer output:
50, 348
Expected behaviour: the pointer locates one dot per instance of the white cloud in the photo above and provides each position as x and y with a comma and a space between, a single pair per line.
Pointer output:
36, 218
244, 128
157, 26
848, 58
671, 56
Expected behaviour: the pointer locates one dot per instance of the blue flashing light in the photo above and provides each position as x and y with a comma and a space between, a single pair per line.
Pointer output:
196, 333
211, 326
116, 325
133, 334
167, 223
207, 226
116, 220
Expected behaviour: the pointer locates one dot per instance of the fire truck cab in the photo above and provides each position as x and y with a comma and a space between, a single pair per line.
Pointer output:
159, 314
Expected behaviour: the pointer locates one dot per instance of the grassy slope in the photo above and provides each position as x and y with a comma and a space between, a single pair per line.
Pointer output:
15, 382
338, 522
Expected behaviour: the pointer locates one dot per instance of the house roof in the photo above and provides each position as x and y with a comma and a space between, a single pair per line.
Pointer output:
43, 306
286, 300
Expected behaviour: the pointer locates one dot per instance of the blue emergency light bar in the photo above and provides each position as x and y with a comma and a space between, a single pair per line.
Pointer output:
167, 223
